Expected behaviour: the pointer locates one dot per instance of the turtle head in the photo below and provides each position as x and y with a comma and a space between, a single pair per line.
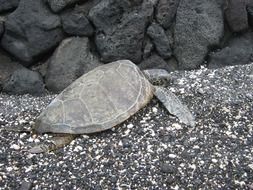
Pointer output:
158, 77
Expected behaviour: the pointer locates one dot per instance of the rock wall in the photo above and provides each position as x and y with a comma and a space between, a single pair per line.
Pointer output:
46, 44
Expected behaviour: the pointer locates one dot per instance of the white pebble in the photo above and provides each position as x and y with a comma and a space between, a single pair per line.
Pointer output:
85, 136
201, 162
149, 148
98, 157
182, 90
9, 169
130, 126
172, 156
28, 169
30, 139
241, 183
251, 166
22, 121
22, 135
36, 140
30, 155
15, 147
192, 166
177, 126
31, 123
222, 166
127, 132
175, 188
78, 148
192, 139
214, 160
154, 109
233, 136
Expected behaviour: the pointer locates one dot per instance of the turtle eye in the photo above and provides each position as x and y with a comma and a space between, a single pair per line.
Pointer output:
161, 82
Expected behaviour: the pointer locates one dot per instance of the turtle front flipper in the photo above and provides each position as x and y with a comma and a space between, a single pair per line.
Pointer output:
57, 142
174, 105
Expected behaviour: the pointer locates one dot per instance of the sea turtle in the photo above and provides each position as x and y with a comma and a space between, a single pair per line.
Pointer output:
102, 99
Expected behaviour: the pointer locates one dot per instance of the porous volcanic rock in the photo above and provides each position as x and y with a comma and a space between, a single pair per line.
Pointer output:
23, 81
31, 30
6, 5
148, 48
166, 11
250, 14
7, 67
1, 28
160, 39
70, 60
121, 28
75, 22
238, 51
41, 67
157, 62
58, 5
236, 15
199, 25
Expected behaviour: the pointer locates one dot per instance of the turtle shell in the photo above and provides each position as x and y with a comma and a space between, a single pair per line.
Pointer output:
98, 100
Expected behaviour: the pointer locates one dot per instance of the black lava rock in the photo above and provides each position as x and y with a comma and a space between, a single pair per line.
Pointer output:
58, 5
24, 81
250, 15
166, 11
31, 30
1, 28
161, 41
120, 28
74, 22
6, 5
199, 25
7, 67
236, 15
148, 48
156, 62
70, 60
238, 51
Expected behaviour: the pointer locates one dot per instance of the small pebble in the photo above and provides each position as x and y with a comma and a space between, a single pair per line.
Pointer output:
130, 126
26, 185
177, 126
168, 168
154, 109
15, 147
172, 155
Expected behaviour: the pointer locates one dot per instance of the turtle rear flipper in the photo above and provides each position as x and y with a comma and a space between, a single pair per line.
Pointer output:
174, 105
57, 142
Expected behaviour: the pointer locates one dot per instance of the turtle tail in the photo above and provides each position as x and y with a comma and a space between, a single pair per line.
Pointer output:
56, 143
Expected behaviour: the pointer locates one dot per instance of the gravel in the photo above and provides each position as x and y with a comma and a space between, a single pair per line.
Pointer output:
151, 150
